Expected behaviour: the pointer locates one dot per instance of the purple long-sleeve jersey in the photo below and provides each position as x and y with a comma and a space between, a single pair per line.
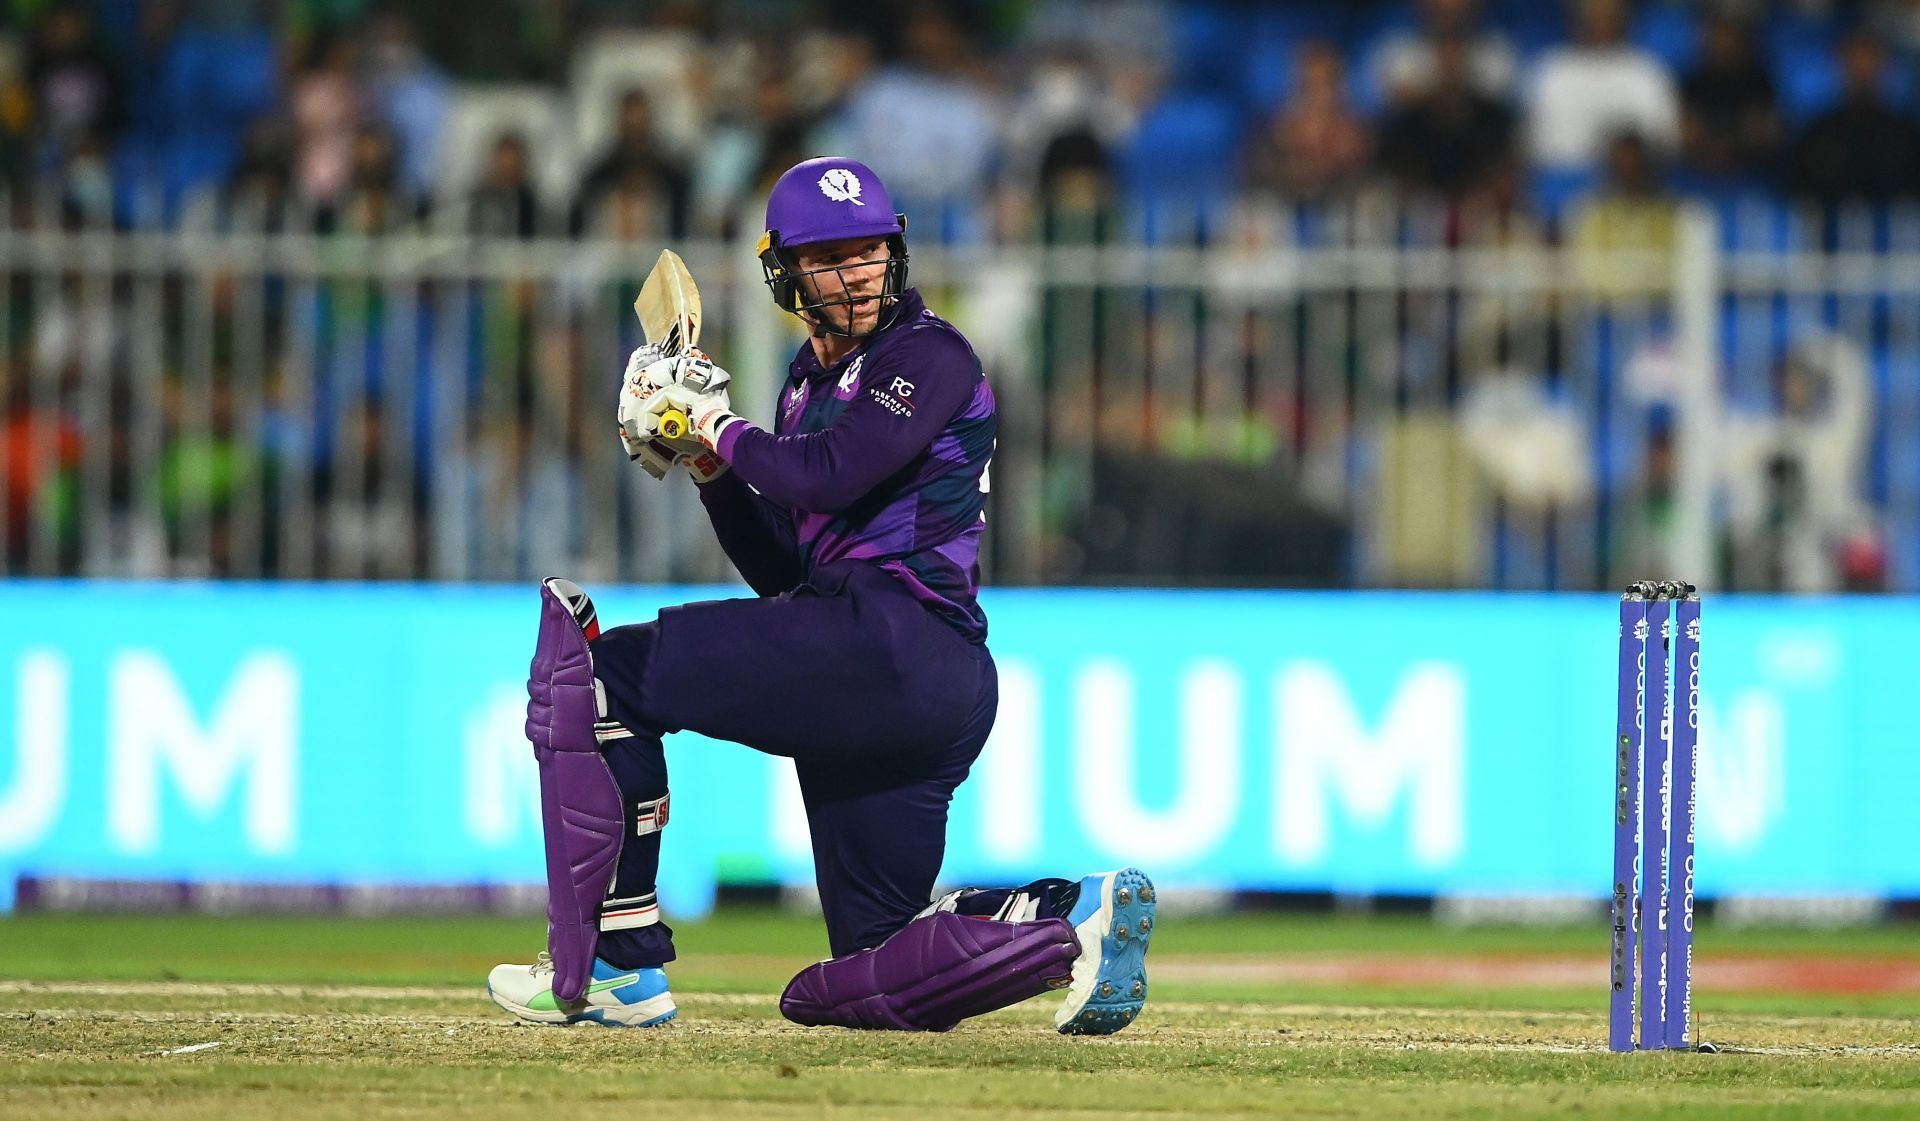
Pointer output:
881, 457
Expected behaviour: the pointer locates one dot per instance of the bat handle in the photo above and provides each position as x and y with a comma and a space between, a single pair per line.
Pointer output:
673, 424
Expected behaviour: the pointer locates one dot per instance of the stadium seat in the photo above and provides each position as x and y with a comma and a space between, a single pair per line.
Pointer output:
1531, 25
1209, 41
1186, 147
1668, 32
208, 86
1555, 190
1807, 78
1266, 72
1272, 37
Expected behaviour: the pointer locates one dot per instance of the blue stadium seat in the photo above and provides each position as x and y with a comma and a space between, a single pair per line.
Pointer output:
1531, 25
1266, 74
1785, 29
1554, 190
1186, 147
1807, 77
210, 85
1268, 70
1271, 39
230, 76
1209, 43
1668, 32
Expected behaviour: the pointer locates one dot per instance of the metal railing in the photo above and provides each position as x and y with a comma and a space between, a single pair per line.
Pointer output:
1375, 399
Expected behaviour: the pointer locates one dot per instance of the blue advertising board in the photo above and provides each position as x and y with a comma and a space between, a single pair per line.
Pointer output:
1353, 742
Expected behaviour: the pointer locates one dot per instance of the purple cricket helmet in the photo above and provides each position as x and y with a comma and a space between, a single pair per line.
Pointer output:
831, 198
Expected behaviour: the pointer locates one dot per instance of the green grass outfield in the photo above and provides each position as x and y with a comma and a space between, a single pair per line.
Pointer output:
1252, 1016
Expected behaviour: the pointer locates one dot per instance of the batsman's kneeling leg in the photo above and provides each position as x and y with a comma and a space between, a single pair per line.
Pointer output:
934, 972
580, 805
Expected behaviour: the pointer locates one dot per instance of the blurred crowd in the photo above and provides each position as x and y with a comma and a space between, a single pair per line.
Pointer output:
563, 116
1508, 122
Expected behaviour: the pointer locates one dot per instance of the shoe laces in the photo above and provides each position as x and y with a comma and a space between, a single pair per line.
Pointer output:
541, 964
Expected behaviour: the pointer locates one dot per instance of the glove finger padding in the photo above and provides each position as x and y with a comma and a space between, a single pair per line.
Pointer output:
699, 373
643, 356
653, 455
646, 375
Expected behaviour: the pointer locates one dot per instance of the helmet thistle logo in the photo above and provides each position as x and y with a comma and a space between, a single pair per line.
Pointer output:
841, 185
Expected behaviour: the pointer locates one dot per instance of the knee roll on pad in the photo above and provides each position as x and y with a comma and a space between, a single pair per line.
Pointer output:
933, 973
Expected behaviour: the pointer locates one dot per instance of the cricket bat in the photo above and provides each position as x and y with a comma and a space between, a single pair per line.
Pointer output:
669, 310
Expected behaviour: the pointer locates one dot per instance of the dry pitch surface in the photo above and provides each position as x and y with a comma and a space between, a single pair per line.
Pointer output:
201, 1018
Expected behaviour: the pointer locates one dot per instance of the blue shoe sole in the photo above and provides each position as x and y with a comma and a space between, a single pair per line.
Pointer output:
1120, 985
596, 1016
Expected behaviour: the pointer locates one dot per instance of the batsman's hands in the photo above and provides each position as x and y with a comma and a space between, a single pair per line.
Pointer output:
648, 371
690, 413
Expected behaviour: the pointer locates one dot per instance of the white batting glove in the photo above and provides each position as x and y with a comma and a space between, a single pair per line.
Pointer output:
647, 373
698, 391
654, 456
708, 413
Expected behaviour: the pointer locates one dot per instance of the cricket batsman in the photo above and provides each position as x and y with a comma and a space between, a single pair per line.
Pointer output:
856, 519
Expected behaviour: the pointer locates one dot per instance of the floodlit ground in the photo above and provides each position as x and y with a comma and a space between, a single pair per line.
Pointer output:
173, 1017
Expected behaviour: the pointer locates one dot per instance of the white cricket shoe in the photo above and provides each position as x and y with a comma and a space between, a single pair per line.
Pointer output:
615, 998
1114, 921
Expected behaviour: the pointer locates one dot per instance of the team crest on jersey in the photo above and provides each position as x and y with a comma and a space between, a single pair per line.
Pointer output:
850, 380
841, 185
796, 397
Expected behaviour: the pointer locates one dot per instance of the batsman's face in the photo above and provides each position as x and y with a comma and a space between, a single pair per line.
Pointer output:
856, 273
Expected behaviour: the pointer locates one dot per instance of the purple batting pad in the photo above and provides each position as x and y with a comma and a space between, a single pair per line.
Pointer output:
933, 973
580, 808
561, 708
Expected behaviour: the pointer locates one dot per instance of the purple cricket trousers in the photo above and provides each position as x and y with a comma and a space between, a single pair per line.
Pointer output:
881, 705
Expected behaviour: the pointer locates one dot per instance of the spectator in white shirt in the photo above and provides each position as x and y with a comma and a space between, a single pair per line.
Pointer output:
925, 121
1600, 86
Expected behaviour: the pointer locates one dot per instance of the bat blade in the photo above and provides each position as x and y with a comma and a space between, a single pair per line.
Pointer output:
669, 306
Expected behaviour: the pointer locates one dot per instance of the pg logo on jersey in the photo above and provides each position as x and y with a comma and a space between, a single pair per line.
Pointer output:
896, 398
841, 185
